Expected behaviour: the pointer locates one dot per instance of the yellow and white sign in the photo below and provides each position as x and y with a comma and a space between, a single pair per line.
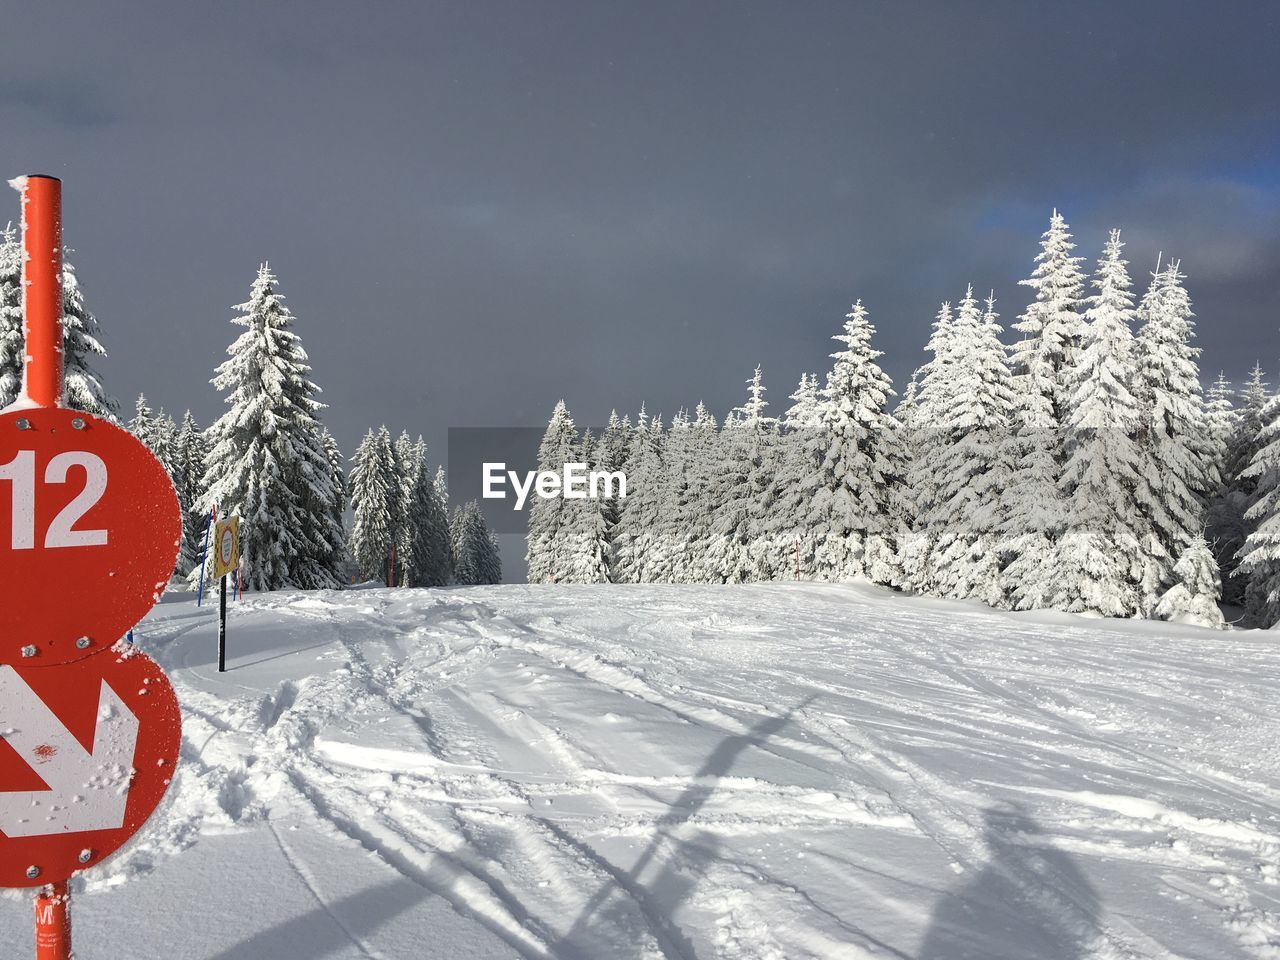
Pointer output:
226, 547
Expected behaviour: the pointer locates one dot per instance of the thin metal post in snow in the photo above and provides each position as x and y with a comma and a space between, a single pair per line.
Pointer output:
204, 557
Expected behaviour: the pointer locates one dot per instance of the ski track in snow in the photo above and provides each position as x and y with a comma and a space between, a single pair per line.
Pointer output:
775, 771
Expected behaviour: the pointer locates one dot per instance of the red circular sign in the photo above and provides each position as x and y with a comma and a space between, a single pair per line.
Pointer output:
89, 534
86, 753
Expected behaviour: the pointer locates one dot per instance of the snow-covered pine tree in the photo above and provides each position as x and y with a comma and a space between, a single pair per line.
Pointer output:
491, 558
407, 469
1220, 424
1221, 522
190, 452
972, 442
923, 448
790, 520
407, 474
634, 559
461, 525
1246, 441
11, 336
1193, 598
714, 497
586, 557
727, 500
159, 434
1229, 525
442, 487
854, 470
143, 423
744, 545
1103, 549
425, 557
399, 502
770, 546
433, 520
905, 412
375, 492
1259, 564
617, 438
546, 516
1051, 326
455, 531
804, 413
1179, 469
635, 437
611, 455
694, 511
667, 541
902, 503
338, 476
267, 459
773, 546
337, 469
327, 504
477, 560
1034, 510
166, 439
81, 344
881, 564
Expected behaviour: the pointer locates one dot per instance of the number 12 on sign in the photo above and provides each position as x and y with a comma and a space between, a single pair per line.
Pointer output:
61, 532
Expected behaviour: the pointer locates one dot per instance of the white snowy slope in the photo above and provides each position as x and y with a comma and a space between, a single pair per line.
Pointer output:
775, 771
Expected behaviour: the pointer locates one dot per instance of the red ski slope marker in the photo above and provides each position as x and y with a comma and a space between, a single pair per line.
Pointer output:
89, 533
86, 754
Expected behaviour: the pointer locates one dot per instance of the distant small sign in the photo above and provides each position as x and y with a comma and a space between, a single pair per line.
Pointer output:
226, 547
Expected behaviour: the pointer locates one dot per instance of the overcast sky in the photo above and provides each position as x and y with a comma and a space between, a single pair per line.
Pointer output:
477, 208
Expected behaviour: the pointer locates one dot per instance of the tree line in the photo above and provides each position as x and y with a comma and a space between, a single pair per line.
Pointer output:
402, 531
1081, 467
270, 459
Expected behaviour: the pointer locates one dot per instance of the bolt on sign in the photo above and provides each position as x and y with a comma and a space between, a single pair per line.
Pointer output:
226, 547
89, 533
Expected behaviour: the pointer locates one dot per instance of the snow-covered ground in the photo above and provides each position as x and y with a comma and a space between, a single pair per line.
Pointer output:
778, 771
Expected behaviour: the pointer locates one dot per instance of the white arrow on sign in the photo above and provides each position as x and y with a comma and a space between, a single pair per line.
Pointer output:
87, 790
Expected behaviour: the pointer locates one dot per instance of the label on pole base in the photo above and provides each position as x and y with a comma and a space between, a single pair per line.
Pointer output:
53, 923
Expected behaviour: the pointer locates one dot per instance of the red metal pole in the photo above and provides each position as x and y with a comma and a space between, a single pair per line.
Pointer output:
42, 288
53, 923
42, 385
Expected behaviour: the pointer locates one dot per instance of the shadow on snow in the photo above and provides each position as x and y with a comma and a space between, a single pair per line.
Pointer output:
1029, 902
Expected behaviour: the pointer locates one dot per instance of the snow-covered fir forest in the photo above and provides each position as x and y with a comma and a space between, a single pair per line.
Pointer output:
270, 459
1077, 465
1081, 466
